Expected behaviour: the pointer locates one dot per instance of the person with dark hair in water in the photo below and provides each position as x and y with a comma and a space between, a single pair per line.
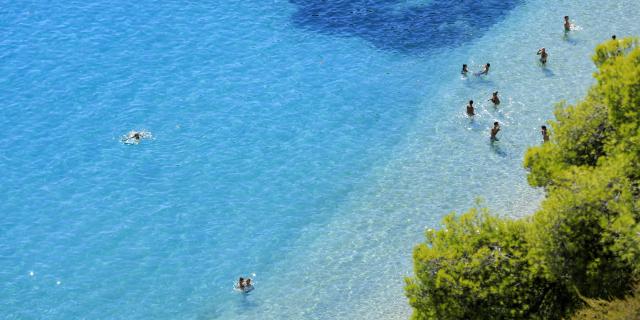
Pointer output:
567, 24
545, 134
244, 285
543, 55
485, 70
465, 70
494, 131
470, 110
134, 137
613, 37
495, 99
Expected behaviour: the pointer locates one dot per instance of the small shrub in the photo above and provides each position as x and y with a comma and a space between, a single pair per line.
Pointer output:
619, 309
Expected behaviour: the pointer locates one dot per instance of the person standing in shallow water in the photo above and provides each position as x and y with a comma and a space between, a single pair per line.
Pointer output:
567, 24
545, 134
494, 131
495, 99
470, 110
485, 70
465, 70
543, 55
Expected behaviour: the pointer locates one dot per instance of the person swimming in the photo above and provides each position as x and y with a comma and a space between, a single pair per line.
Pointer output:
134, 137
494, 131
495, 98
613, 37
545, 134
567, 24
485, 70
543, 55
465, 70
470, 110
244, 285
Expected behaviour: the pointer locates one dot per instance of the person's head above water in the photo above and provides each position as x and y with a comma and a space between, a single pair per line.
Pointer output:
613, 37
470, 102
495, 124
495, 93
248, 282
566, 18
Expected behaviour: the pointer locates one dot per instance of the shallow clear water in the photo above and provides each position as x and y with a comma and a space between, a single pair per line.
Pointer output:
308, 142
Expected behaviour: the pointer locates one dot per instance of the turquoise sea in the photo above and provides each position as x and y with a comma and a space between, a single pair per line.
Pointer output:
304, 143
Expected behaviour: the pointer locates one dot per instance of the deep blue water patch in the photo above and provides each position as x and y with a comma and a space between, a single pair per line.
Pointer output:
394, 25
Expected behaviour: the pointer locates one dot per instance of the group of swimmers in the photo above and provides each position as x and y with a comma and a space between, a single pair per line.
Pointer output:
542, 52
494, 99
485, 70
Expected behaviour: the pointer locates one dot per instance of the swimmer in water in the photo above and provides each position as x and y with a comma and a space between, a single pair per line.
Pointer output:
485, 70
134, 137
545, 134
465, 70
247, 283
543, 55
241, 284
494, 131
567, 24
613, 37
470, 111
495, 98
